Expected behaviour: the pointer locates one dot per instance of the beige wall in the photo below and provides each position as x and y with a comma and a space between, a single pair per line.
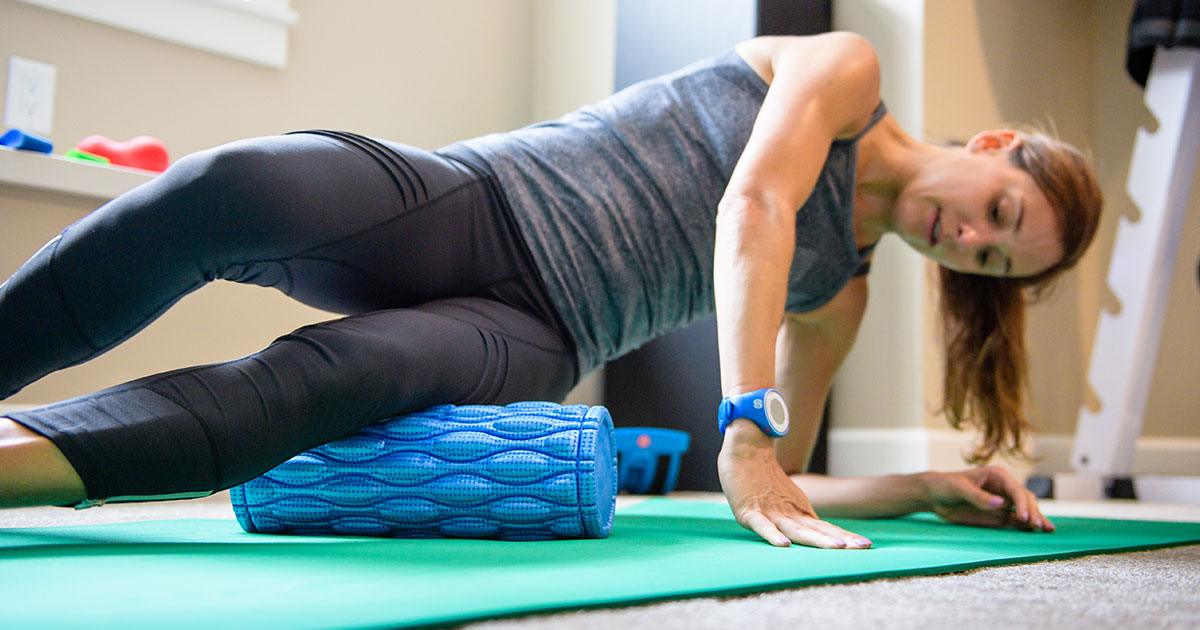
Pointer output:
888, 359
424, 73
574, 54
991, 62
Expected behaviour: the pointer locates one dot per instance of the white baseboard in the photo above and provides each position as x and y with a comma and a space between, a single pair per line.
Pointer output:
868, 452
1154, 455
854, 452
858, 452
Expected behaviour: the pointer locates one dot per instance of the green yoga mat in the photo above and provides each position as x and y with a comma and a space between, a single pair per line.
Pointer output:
207, 573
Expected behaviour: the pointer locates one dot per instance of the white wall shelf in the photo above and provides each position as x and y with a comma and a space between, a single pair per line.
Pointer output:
250, 30
59, 174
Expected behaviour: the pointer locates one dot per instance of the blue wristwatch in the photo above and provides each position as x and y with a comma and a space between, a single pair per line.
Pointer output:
765, 407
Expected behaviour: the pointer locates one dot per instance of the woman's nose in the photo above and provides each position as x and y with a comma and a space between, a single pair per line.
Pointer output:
970, 238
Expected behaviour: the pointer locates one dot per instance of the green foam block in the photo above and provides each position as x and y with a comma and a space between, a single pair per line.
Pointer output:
84, 156
206, 573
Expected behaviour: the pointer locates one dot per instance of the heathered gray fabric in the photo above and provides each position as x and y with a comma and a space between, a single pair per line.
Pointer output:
618, 204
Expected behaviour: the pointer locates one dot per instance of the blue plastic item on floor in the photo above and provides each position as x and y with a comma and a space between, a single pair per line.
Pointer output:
525, 471
21, 141
649, 458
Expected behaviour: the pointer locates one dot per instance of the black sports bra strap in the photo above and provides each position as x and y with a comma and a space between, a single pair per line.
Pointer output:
864, 265
876, 116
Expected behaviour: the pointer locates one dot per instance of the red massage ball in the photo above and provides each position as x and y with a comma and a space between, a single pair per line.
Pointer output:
144, 152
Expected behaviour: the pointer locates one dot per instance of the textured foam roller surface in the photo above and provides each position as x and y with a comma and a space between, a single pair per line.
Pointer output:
525, 471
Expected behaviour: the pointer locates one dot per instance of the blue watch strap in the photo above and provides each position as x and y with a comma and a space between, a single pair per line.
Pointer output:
724, 414
753, 406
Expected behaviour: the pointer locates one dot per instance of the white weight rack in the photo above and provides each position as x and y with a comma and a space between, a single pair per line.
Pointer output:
1144, 253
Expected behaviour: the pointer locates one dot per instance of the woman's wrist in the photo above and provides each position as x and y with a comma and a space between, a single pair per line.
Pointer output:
916, 488
742, 436
902, 494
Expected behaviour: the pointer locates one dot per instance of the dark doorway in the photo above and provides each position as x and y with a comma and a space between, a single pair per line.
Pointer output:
674, 381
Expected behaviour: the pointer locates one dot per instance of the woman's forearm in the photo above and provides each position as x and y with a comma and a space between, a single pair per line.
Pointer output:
864, 497
753, 253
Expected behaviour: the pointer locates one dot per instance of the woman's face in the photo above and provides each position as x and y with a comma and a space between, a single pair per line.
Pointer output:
974, 212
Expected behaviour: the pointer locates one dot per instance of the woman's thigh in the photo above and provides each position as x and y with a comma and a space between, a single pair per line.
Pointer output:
351, 223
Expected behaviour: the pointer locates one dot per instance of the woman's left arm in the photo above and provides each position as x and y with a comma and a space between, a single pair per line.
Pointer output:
988, 496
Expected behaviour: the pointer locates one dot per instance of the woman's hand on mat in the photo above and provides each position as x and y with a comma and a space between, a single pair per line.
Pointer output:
988, 496
766, 501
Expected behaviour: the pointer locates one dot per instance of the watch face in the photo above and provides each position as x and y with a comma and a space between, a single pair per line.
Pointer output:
777, 412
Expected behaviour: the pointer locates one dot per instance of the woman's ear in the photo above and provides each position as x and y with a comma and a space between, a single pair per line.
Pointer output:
994, 140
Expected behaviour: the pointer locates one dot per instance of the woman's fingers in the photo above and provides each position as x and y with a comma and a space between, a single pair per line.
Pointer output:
852, 540
761, 525
781, 531
1020, 503
973, 517
982, 499
988, 496
818, 533
805, 534
1041, 521
1025, 507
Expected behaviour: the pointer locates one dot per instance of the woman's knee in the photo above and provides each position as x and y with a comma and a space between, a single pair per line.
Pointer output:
456, 351
197, 203
228, 164
227, 180
244, 200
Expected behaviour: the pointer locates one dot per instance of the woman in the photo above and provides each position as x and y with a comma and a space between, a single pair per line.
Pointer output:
503, 268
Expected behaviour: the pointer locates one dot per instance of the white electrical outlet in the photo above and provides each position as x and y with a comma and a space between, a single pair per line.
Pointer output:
29, 103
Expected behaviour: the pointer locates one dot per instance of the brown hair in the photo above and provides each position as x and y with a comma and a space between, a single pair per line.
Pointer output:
983, 317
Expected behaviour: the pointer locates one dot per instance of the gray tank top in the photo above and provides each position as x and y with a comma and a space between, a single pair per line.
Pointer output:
618, 202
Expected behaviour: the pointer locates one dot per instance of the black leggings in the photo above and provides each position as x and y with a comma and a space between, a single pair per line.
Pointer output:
445, 307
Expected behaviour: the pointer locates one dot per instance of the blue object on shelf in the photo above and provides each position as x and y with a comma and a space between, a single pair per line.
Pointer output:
648, 458
525, 471
21, 141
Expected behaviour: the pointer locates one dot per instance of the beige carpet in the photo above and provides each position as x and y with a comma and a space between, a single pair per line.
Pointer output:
1149, 589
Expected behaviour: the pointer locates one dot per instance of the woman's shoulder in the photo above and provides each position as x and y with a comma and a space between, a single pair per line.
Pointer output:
846, 61
763, 53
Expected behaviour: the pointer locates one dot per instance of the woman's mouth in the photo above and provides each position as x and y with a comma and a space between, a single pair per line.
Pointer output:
935, 228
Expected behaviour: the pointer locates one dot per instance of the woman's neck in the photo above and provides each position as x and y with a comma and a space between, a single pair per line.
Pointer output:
888, 158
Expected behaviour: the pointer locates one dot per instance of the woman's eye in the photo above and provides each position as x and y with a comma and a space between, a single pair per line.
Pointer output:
996, 213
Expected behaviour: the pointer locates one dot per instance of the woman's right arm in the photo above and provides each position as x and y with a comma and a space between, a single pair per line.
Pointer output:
986, 496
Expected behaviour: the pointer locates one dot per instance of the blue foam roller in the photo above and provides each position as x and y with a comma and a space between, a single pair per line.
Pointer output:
22, 141
525, 471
